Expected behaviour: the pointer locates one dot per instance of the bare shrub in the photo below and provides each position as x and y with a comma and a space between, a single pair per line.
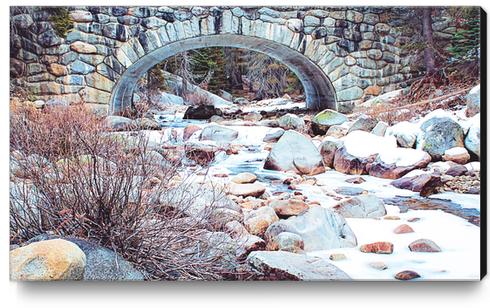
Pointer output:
70, 177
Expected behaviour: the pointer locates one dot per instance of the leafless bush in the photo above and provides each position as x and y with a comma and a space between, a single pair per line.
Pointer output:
72, 178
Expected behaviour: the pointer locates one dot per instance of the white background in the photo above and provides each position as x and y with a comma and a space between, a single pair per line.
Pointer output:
212, 294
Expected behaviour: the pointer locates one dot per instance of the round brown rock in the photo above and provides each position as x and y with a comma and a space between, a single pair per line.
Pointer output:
424, 245
378, 247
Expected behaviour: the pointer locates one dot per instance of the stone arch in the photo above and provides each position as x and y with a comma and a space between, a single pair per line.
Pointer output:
319, 91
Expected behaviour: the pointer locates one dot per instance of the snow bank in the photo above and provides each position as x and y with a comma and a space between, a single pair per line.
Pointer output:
402, 157
458, 239
363, 144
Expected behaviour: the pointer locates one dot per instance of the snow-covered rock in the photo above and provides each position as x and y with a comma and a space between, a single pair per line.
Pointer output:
473, 166
395, 163
440, 167
163, 99
359, 149
382, 99
244, 178
405, 133
176, 82
363, 144
245, 190
458, 155
287, 241
337, 131
295, 152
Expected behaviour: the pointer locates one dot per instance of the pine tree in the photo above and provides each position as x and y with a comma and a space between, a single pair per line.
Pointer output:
465, 44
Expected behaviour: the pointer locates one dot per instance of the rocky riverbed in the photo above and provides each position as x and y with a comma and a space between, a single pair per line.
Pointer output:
328, 196
380, 185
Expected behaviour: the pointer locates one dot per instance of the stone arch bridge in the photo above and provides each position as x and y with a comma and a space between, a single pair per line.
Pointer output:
339, 54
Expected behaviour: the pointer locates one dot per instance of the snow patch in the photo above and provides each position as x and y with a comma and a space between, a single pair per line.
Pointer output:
363, 144
402, 157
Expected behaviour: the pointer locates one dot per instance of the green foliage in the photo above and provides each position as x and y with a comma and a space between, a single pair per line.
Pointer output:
61, 20
465, 44
217, 68
208, 61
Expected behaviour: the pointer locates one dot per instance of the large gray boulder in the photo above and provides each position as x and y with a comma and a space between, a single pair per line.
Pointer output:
473, 101
100, 263
472, 140
328, 148
218, 133
273, 135
281, 265
365, 206
104, 264
118, 123
291, 121
397, 162
320, 229
295, 152
438, 135
405, 133
364, 123
323, 120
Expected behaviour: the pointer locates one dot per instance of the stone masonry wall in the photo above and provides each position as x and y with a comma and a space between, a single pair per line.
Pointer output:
358, 48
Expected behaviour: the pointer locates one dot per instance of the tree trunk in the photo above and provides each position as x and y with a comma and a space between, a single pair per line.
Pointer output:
233, 67
430, 62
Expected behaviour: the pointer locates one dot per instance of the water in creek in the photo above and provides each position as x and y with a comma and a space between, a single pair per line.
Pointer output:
251, 157
453, 224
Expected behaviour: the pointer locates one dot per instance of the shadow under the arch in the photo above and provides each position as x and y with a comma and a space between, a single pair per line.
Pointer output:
319, 91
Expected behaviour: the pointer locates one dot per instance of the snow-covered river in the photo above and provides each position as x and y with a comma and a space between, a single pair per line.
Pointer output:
458, 239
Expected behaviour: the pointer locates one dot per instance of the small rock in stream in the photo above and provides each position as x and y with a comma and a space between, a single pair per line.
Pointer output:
407, 275
253, 189
356, 180
349, 191
378, 247
337, 257
380, 266
424, 245
402, 229
244, 178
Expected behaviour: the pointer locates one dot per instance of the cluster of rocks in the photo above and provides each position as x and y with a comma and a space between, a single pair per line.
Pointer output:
419, 155
47, 258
